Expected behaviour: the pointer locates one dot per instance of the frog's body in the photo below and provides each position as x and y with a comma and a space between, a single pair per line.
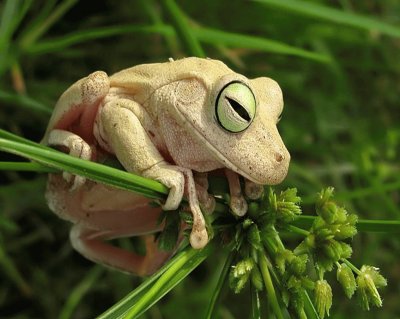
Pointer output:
160, 121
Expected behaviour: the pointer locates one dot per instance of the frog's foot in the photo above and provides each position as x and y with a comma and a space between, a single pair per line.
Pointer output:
177, 179
92, 244
77, 147
253, 190
237, 203
207, 201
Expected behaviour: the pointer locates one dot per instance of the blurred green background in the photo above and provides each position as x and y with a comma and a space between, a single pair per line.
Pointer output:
338, 65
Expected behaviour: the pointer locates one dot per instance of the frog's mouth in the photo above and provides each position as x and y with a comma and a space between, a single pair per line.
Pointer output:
258, 154
270, 171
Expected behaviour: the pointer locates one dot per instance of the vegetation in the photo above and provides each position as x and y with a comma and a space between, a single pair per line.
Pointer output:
339, 70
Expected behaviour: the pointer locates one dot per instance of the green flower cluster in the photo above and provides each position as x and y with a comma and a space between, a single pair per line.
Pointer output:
325, 241
263, 259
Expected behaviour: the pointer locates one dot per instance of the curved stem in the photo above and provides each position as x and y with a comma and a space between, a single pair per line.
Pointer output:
351, 266
269, 286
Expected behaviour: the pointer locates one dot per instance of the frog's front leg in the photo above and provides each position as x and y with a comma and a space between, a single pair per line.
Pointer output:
76, 146
119, 126
238, 203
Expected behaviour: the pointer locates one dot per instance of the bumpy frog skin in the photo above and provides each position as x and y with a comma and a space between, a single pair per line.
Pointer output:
172, 122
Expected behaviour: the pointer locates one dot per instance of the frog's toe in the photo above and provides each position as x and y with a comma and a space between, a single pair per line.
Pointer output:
198, 238
238, 205
253, 190
174, 197
78, 182
75, 180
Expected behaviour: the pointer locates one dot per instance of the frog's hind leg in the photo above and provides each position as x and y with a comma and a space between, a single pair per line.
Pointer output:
92, 244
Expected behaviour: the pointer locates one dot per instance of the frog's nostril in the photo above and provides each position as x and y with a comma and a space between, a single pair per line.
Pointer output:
279, 157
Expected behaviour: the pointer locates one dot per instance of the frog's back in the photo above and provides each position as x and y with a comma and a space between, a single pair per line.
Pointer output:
77, 107
142, 80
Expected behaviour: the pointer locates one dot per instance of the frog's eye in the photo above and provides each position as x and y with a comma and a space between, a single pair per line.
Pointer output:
235, 107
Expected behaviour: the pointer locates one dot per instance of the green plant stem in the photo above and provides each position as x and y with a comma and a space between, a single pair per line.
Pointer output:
363, 225
269, 286
220, 283
351, 266
309, 309
255, 303
297, 230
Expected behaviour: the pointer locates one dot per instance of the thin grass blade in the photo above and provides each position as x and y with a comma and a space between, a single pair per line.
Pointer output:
67, 40
321, 12
24, 101
183, 30
76, 295
158, 285
41, 28
219, 37
218, 288
91, 170
11, 17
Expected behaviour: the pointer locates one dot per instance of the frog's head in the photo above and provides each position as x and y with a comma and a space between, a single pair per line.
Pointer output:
235, 119
246, 113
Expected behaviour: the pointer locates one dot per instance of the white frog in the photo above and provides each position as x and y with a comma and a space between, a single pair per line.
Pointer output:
172, 122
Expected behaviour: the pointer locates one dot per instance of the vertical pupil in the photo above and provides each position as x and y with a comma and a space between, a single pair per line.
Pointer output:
239, 109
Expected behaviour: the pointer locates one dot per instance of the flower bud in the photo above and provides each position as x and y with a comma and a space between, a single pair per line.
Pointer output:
368, 281
328, 212
253, 237
346, 278
298, 264
323, 298
345, 231
240, 274
333, 250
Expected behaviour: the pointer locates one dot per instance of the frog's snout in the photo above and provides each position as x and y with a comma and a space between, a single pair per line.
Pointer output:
279, 157
281, 160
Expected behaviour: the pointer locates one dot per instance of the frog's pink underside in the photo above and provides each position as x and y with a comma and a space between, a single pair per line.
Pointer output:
104, 212
80, 120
